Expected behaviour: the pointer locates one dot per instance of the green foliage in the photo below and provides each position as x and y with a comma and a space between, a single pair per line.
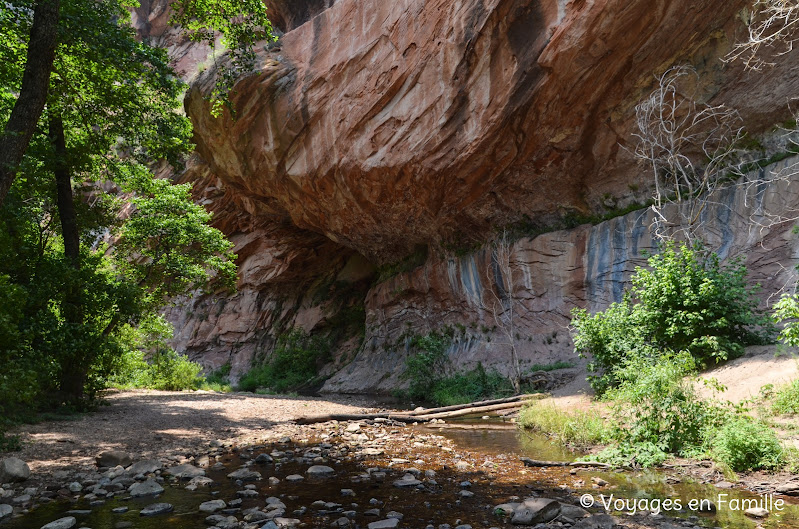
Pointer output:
427, 363
242, 23
655, 404
554, 366
686, 301
786, 311
644, 454
786, 399
577, 427
71, 324
218, 380
470, 386
294, 364
744, 444
171, 371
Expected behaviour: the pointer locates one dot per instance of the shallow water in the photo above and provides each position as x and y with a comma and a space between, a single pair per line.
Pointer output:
637, 487
438, 505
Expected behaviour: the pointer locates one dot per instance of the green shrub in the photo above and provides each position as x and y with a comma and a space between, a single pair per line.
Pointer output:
294, 364
786, 311
470, 386
573, 427
554, 366
171, 371
786, 398
643, 454
218, 380
427, 364
744, 444
686, 301
654, 403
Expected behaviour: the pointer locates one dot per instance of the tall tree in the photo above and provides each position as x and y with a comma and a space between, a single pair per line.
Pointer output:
28, 108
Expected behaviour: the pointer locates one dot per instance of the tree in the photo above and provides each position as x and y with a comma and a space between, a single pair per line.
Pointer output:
503, 303
240, 22
110, 112
770, 24
691, 148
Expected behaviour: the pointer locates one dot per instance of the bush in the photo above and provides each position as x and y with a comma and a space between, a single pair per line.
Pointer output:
786, 399
470, 386
427, 365
687, 301
744, 444
171, 371
655, 404
294, 364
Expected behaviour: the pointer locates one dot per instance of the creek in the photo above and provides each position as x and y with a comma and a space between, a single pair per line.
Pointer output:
463, 471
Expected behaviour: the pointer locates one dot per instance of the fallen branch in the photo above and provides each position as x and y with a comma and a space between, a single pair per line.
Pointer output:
359, 417
481, 403
536, 463
472, 411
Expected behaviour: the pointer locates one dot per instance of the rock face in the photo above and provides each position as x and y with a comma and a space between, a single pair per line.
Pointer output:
377, 130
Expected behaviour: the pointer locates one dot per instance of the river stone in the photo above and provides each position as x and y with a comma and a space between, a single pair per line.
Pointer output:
286, 522
573, 511
155, 509
212, 505
13, 469
388, 523
407, 481
598, 521
535, 510
113, 458
294, 478
254, 515
145, 488
756, 512
62, 523
245, 474
5, 510
185, 471
320, 471
262, 459
353, 427
145, 467
791, 488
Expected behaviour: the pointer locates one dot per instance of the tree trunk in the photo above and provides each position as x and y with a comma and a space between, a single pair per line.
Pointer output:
33, 92
66, 201
74, 370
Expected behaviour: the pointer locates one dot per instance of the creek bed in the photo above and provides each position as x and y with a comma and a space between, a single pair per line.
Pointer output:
487, 458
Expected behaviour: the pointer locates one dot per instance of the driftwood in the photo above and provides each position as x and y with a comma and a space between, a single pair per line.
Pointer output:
472, 411
446, 412
536, 463
359, 417
479, 404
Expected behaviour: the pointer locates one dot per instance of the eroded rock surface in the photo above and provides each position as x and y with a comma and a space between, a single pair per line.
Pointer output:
375, 129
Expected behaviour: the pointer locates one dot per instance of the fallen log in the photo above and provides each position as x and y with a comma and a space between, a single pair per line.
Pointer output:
476, 410
404, 418
536, 463
478, 404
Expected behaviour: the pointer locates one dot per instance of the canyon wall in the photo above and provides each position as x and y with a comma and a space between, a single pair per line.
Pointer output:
377, 134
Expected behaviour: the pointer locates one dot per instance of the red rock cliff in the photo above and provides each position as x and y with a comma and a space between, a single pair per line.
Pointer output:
374, 128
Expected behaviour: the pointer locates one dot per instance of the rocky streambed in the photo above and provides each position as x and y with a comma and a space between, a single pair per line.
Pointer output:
371, 476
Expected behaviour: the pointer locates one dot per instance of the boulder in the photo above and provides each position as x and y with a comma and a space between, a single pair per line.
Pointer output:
245, 474
145, 488
5, 510
320, 471
185, 471
62, 523
13, 470
145, 467
535, 510
212, 506
113, 458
